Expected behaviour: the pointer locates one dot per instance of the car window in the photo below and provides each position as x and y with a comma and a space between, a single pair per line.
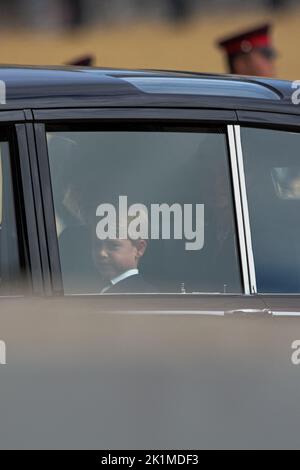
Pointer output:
272, 170
185, 224
11, 274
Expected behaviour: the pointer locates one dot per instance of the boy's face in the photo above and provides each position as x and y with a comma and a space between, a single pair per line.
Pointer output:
114, 257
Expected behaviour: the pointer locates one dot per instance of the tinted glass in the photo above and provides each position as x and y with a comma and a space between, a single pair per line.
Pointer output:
186, 171
272, 167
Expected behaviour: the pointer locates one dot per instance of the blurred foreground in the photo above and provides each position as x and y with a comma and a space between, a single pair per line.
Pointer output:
79, 376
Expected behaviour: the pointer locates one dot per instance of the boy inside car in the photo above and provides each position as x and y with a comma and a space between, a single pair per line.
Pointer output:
117, 261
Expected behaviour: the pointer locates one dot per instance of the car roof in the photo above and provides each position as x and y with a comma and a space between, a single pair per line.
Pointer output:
65, 86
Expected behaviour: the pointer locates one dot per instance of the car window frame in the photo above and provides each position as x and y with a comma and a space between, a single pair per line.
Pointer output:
13, 131
269, 121
97, 116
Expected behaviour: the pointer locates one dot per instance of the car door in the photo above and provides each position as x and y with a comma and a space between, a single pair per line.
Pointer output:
149, 157
179, 368
269, 146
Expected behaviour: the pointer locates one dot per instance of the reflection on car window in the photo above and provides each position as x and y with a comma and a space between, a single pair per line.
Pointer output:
144, 211
272, 168
287, 181
11, 281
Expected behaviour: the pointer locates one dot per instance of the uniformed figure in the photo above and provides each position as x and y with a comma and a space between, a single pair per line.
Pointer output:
250, 52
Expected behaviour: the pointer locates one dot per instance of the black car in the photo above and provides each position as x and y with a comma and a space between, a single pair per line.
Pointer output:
76, 142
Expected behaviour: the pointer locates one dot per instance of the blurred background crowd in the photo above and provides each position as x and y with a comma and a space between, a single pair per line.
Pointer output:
77, 13
174, 34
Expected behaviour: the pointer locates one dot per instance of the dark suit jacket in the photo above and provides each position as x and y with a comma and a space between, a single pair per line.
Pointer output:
133, 284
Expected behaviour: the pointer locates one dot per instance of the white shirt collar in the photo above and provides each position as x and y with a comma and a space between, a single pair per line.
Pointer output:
121, 277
